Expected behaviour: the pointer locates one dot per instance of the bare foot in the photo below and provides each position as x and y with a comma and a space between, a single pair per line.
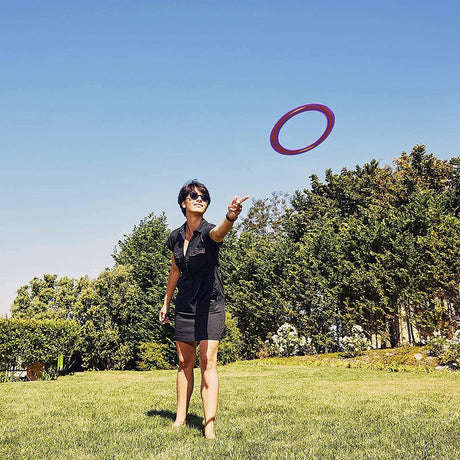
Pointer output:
178, 424
209, 431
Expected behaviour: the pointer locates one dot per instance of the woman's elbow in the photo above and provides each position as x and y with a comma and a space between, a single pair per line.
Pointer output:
217, 238
216, 235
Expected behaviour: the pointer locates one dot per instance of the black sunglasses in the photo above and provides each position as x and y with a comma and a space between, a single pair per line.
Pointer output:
195, 196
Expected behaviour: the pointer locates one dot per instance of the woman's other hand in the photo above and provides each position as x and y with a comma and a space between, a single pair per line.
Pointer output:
163, 315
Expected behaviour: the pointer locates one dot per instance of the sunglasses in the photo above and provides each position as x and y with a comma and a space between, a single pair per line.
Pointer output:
195, 196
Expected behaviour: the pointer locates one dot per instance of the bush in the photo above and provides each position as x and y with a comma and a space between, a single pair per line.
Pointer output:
447, 350
355, 344
153, 356
286, 342
27, 341
231, 343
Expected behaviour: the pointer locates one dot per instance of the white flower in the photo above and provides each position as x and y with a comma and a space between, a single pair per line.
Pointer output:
286, 341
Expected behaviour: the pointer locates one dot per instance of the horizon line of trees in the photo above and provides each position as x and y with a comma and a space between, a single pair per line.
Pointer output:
377, 247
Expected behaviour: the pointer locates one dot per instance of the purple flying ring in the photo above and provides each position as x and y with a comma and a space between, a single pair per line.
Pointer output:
326, 111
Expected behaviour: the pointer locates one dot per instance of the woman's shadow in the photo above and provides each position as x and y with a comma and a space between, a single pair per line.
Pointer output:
193, 420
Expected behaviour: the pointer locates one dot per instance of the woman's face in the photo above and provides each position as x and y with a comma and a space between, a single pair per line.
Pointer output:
196, 202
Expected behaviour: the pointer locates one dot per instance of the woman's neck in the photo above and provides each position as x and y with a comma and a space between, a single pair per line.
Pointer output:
193, 222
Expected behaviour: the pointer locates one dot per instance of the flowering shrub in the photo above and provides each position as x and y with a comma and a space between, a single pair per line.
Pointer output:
288, 342
355, 344
447, 350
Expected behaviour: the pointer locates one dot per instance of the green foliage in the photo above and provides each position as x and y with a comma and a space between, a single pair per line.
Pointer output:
111, 311
374, 246
153, 356
114, 318
146, 251
266, 216
49, 297
287, 342
447, 350
252, 270
27, 341
379, 247
355, 344
231, 344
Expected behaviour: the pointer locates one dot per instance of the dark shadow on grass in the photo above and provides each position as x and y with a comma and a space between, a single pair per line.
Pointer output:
193, 420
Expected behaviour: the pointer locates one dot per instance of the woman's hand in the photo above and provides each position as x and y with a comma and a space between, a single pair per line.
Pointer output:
163, 315
235, 207
218, 233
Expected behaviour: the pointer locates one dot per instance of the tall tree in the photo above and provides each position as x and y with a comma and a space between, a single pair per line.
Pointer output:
372, 234
114, 319
145, 250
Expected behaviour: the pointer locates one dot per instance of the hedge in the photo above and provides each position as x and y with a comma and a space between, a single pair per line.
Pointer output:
27, 341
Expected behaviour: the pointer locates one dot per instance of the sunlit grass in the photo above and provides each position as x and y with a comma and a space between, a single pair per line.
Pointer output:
267, 410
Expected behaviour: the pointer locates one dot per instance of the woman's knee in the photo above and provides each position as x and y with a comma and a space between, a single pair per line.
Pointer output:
208, 354
186, 353
186, 362
208, 362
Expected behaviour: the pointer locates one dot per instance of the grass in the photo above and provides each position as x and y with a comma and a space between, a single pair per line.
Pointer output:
269, 409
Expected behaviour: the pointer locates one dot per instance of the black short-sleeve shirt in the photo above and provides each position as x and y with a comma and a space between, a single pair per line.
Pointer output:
200, 301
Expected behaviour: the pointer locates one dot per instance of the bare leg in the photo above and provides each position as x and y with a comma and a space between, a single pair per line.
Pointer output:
209, 384
187, 356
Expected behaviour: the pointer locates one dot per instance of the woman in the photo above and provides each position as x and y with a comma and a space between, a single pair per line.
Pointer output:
200, 302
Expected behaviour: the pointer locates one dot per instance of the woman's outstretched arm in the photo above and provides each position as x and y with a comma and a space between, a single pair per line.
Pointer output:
218, 233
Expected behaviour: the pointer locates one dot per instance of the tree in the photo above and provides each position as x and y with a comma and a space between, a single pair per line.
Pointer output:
115, 320
265, 216
49, 297
145, 250
370, 245
376, 247
253, 262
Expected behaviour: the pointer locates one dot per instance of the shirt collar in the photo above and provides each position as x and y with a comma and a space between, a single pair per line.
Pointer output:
198, 230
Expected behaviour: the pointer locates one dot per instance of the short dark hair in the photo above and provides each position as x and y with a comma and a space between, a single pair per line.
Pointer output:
189, 187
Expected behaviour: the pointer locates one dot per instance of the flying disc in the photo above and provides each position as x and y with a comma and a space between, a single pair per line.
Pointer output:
326, 111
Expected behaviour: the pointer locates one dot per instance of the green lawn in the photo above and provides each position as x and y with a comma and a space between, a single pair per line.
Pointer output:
267, 410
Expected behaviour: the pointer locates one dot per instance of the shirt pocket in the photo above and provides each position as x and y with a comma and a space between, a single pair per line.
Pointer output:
197, 258
179, 257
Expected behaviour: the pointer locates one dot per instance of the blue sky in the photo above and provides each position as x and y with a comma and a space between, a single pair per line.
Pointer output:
108, 107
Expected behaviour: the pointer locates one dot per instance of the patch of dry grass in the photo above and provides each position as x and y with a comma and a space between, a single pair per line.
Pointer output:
402, 359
